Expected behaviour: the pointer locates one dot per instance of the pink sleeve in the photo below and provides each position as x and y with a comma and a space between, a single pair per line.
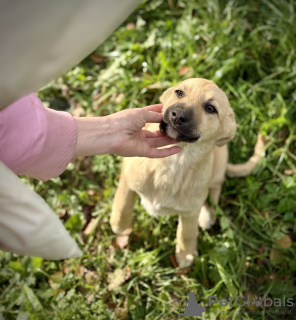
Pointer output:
34, 140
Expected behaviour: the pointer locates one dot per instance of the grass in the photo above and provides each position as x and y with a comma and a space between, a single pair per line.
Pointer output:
249, 51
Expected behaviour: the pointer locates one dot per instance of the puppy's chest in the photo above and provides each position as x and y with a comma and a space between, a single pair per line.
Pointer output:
174, 189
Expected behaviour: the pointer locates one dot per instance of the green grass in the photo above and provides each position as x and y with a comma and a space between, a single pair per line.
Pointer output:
249, 49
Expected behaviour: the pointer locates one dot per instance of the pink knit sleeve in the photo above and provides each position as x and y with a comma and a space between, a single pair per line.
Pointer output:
34, 140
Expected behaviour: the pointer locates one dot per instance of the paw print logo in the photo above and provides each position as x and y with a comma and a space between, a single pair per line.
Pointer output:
257, 301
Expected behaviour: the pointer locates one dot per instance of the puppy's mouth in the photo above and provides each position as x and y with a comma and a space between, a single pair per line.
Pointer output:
175, 133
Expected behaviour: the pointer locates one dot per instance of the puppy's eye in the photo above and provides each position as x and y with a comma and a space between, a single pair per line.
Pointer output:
210, 109
179, 93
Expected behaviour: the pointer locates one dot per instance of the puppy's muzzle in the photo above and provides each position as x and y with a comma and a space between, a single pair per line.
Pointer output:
178, 117
179, 123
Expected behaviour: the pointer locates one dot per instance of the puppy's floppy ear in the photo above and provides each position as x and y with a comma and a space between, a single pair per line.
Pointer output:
228, 128
165, 95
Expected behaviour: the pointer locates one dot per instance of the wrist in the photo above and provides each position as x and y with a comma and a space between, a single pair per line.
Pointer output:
95, 136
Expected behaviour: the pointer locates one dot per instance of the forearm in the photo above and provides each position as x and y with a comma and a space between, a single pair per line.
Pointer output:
95, 135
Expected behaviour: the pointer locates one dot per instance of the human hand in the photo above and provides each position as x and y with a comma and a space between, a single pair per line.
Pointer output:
122, 133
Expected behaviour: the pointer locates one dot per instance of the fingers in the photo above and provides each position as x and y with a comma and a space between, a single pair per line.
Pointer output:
154, 134
153, 117
160, 141
154, 107
163, 153
154, 114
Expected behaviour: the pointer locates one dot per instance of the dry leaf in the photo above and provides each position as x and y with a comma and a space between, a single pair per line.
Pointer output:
122, 239
97, 58
90, 299
115, 279
62, 213
284, 242
91, 277
173, 261
55, 280
289, 172
111, 305
121, 313
79, 270
128, 273
90, 227
78, 111
262, 250
130, 26
119, 98
156, 85
186, 71
66, 269
97, 96
275, 255
252, 298
183, 271
91, 192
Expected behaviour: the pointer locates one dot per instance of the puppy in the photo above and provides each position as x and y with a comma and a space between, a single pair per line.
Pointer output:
196, 113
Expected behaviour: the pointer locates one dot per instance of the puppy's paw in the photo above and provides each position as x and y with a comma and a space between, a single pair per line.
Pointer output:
185, 259
206, 218
119, 229
117, 224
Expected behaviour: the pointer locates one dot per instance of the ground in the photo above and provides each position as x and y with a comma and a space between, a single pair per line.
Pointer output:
248, 49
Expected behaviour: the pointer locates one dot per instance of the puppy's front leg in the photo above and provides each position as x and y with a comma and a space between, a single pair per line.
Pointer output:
207, 216
122, 209
187, 233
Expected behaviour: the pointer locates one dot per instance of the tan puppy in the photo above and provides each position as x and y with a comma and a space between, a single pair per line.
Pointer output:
196, 113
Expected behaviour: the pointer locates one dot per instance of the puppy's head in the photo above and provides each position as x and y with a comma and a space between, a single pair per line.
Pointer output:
197, 109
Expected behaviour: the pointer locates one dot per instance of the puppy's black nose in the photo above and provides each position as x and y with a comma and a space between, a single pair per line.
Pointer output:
178, 117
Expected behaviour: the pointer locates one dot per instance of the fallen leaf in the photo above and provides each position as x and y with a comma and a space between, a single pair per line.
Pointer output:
121, 313
173, 261
55, 292
66, 269
289, 172
156, 85
186, 71
128, 273
90, 299
78, 111
284, 242
79, 270
276, 255
96, 58
55, 280
91, 277
62, 213
122, 239
91, 192
130, 26
119, 97
254, 299
115, 279
111, 305
90, 227
97, 96
183, 271
262, 250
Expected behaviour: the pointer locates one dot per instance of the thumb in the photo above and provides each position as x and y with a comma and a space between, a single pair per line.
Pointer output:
153, 117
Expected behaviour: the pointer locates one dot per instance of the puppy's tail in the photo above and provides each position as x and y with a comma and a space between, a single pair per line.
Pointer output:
244, 169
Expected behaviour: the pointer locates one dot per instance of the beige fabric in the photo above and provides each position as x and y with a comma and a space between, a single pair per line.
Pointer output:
39, 41
42, 39
27, 225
